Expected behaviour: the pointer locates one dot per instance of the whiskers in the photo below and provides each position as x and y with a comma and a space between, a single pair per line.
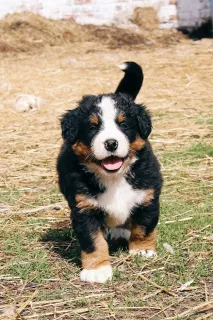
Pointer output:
90, 157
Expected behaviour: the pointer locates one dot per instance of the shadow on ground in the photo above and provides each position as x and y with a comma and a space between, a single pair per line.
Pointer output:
63, 242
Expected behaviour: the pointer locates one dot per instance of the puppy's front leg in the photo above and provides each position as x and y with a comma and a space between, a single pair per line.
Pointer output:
88, 223
96, 265
143, 231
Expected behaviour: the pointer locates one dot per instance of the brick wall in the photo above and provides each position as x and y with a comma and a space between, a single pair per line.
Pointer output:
190, 12
90, 11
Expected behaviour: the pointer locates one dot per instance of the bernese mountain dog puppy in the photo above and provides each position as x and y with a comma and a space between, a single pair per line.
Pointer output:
109, 174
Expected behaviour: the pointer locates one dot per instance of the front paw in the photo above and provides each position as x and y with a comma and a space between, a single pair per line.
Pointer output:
100, 275
145, 253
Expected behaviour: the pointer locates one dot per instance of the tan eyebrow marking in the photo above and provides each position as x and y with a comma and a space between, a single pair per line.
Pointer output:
94, 119
121, 117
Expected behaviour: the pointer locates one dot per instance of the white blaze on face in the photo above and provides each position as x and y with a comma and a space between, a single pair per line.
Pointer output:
109, 130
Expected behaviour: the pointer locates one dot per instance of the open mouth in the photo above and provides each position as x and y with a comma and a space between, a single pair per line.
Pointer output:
112, 163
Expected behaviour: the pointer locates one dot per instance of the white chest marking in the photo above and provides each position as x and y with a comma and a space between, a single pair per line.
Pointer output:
119, 199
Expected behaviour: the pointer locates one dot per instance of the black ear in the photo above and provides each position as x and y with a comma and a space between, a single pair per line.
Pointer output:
69, 126
144, 122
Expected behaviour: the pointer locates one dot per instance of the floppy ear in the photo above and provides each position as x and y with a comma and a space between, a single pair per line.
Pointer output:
69, 126
144, 122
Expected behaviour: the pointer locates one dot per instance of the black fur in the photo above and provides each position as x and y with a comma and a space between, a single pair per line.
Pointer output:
132, 80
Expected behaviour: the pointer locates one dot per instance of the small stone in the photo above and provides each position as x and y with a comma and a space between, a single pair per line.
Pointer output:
27, 102
185, 285
168, 248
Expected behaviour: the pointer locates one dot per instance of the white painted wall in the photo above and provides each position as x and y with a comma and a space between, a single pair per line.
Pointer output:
90, 11
190, 12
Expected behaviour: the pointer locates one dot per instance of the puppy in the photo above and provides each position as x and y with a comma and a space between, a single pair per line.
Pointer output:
109, 174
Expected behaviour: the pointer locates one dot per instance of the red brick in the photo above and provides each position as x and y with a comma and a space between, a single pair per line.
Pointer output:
173, 17
82, 1
118, 8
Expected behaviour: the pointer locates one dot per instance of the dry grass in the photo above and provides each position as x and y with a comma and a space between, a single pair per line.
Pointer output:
145, 18
23, 32
39, 255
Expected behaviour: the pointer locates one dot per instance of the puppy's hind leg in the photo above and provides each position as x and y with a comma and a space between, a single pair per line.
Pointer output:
119, 237
120, 232
142, 244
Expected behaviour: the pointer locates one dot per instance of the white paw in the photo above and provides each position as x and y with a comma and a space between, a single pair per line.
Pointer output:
99, 275
117, 233
145, 253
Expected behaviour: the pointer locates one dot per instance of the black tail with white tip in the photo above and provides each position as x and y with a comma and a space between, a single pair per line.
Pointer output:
132, 80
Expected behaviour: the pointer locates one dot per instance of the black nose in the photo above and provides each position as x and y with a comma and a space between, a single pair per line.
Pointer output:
111, 144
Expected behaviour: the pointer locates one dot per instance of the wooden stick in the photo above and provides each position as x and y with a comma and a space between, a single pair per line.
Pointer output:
206, 316
151, 295
164, 309
23, 306
60, 205
157, 286
78, 311
121, 261
179, 220
137, 308
152, 270
62, 301
193, 310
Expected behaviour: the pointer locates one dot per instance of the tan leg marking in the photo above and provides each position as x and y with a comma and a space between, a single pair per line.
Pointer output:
140, 242
99, 257
84, 203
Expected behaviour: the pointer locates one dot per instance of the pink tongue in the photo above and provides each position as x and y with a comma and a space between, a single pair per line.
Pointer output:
112, 163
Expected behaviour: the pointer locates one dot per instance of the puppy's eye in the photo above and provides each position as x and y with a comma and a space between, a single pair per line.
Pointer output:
123, 125
92, 127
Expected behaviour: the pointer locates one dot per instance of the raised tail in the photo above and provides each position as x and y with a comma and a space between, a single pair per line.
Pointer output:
132, 80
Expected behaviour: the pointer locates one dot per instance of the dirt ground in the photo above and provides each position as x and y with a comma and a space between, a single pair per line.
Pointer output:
178, 91
178, 85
